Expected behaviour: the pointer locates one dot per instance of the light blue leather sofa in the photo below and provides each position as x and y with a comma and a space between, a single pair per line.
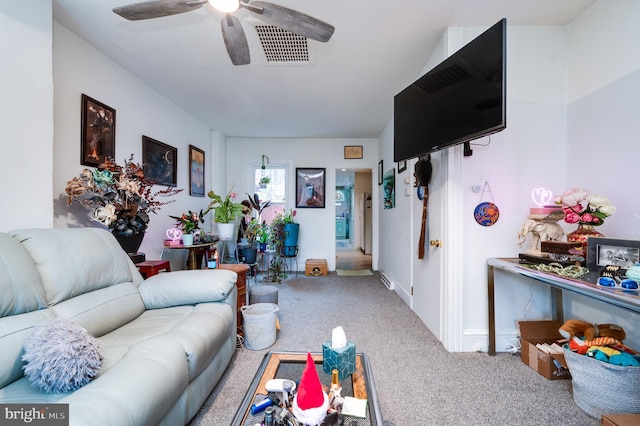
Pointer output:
166, 340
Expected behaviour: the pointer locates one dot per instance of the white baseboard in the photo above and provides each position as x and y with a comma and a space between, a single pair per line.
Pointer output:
477, 340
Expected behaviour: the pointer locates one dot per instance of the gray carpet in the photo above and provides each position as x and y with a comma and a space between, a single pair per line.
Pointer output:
418, 381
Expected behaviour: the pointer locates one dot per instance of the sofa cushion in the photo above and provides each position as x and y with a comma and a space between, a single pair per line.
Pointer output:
75, 261
187, 287
20, 284
61, 356
138, 390
14, 331
104, 310
201, 330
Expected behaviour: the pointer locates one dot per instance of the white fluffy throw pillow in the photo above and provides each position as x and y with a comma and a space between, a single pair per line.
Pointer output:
61, 356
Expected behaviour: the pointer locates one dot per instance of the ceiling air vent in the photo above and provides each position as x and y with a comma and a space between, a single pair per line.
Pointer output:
281, 45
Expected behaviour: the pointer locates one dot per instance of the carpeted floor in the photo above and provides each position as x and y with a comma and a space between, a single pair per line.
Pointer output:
418, 381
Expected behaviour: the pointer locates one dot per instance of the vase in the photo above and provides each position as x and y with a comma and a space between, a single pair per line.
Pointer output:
129, 241
582, 234
187, 239
290, 245
225, 230
249, 255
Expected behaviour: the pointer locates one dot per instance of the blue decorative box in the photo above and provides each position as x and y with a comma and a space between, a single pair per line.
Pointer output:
343, 359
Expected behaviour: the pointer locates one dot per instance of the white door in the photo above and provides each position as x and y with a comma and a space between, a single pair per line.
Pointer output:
437, 293
426, 272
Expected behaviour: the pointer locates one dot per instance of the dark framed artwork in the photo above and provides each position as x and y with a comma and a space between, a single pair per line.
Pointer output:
98, 132
196, 171
389, 189
380, 173
603, 252
402, 166
160, 162
353, 152
310, 188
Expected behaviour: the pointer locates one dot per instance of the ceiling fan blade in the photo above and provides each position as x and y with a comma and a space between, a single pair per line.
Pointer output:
235, 40
157, 9
291, 20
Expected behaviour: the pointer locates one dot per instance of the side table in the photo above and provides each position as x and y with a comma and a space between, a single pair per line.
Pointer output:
149, 268
241, 269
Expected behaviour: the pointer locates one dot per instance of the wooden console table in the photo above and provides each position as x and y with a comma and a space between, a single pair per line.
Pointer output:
628, 299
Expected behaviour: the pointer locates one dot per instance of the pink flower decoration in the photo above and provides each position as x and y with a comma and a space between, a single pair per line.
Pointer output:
587, 217
571, 217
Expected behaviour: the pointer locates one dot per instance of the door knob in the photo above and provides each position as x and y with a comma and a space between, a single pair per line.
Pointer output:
435, 243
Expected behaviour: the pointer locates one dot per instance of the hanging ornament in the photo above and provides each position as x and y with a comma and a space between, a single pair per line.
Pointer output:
486, 213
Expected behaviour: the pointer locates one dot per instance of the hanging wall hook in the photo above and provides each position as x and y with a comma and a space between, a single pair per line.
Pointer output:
263, 158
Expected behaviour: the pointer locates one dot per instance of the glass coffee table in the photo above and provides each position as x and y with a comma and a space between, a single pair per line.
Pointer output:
289, 365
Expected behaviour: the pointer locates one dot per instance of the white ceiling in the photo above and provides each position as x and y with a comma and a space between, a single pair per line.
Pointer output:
378, 48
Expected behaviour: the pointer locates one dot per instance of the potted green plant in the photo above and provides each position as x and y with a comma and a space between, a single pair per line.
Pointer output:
225, 212
189, 223
264, 181
264, 236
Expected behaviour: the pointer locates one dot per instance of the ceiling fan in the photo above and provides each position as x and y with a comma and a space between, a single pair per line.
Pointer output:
234, 37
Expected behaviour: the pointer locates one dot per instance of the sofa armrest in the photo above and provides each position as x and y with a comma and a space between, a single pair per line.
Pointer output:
187, 288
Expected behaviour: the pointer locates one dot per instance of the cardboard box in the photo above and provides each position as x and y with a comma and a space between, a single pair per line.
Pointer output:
621, 420
551, 366
315, 267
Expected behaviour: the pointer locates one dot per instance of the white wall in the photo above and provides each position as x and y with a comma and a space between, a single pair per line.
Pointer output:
572, 100
78, 69
603, 146
528, 154
26, 114
317, 226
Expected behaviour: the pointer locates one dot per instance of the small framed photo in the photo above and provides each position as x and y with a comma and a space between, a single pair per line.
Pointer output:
603, 252
196, 171
380, 172
402, 166
310, 188
389, 189
353, 152
160, 162
98, 132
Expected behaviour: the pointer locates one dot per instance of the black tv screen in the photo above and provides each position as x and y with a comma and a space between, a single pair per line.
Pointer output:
461, 99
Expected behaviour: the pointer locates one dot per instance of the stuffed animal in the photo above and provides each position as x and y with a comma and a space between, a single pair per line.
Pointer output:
589, 331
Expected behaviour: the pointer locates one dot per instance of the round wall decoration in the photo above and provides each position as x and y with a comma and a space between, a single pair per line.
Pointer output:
486, 213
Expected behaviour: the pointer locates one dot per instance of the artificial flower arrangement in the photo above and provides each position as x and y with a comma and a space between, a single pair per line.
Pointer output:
225, 210
582, 208
120, 197
189, 222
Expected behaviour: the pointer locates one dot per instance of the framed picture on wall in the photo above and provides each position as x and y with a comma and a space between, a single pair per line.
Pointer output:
353, 151
160, 162
310, 188
402, 166
389, 189
98, 132
196, 171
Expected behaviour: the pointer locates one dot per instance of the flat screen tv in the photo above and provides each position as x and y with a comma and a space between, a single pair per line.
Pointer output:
461, 99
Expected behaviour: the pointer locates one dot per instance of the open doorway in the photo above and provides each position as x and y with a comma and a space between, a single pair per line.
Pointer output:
353, 217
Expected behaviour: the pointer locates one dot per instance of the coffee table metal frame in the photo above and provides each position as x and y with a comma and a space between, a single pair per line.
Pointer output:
363, 384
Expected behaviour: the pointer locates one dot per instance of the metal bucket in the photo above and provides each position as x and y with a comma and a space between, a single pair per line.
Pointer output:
259, 322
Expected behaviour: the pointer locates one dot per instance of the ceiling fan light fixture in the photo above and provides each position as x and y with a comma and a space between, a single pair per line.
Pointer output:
226, 6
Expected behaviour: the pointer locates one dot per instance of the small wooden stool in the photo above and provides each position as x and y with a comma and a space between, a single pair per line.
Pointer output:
149, 268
